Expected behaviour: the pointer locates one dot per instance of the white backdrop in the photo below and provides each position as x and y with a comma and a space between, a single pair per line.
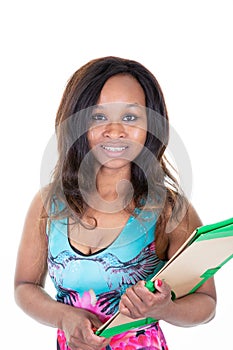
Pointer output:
188, 46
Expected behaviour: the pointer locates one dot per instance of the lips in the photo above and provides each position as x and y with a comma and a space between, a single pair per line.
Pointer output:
114, 148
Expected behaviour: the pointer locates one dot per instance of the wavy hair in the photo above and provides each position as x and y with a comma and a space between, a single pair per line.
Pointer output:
81, 93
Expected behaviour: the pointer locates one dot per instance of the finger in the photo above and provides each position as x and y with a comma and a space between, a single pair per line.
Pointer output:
126, 300
92, 339
142, 292
123, 309
162, 287
134, 294
95, 321
131, 302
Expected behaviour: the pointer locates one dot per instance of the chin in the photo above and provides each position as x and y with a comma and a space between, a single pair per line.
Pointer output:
116, 164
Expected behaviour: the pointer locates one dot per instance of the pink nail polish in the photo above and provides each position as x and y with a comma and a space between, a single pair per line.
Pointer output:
159, 283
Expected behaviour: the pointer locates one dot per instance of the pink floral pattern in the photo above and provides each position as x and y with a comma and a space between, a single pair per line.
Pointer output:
148, 338
88, 301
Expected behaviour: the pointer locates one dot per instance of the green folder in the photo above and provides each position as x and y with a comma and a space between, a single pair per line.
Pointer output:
207, 249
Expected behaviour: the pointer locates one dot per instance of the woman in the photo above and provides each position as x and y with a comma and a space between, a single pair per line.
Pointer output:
111, 216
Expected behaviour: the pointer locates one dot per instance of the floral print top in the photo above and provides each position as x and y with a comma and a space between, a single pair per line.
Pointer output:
96, 282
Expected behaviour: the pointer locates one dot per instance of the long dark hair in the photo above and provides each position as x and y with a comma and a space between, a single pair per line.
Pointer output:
81, 93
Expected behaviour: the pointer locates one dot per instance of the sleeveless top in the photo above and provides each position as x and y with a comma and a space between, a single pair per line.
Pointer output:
96, 282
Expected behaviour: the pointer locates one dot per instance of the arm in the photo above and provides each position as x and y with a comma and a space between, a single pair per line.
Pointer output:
30, 275
189, 310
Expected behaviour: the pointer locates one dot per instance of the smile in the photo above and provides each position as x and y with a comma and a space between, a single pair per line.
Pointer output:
114, 149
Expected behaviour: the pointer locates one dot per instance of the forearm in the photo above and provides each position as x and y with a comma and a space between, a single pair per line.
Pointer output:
191, 310
35, 302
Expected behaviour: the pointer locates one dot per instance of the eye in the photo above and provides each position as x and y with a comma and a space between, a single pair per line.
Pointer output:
130, 118
98, 117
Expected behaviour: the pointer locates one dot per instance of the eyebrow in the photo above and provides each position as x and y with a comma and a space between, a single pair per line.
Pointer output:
133, 105
128, 105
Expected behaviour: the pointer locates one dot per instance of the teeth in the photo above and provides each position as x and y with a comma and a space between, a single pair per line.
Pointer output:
114, 149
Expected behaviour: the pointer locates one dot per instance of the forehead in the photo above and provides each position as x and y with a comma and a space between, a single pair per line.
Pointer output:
122, 88
118, 107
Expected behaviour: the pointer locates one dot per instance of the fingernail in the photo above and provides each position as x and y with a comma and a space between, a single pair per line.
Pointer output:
159, 283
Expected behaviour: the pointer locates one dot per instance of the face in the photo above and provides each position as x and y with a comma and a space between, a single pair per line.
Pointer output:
118, 126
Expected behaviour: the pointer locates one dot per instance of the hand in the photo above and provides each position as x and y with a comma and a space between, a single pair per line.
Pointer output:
138, 301
78, 325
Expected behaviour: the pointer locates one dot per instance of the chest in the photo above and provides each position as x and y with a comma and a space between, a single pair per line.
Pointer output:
97, 231
130, 257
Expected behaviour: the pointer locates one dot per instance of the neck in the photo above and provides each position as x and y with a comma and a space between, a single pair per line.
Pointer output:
112, 182
112, 188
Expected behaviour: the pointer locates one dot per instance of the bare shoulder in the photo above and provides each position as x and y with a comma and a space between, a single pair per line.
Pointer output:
32, 252
189, 220
37, 202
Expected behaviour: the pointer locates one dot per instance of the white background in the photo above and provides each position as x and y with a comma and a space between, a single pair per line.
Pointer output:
188, 46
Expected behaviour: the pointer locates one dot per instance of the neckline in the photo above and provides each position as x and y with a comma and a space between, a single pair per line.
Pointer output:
77, 251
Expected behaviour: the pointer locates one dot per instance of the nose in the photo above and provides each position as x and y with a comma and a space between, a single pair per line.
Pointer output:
115, 131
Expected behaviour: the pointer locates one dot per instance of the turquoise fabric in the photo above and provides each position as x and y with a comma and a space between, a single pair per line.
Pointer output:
97, 281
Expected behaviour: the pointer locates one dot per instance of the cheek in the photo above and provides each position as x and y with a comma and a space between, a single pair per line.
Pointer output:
139, 135
90, 138
93, 136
